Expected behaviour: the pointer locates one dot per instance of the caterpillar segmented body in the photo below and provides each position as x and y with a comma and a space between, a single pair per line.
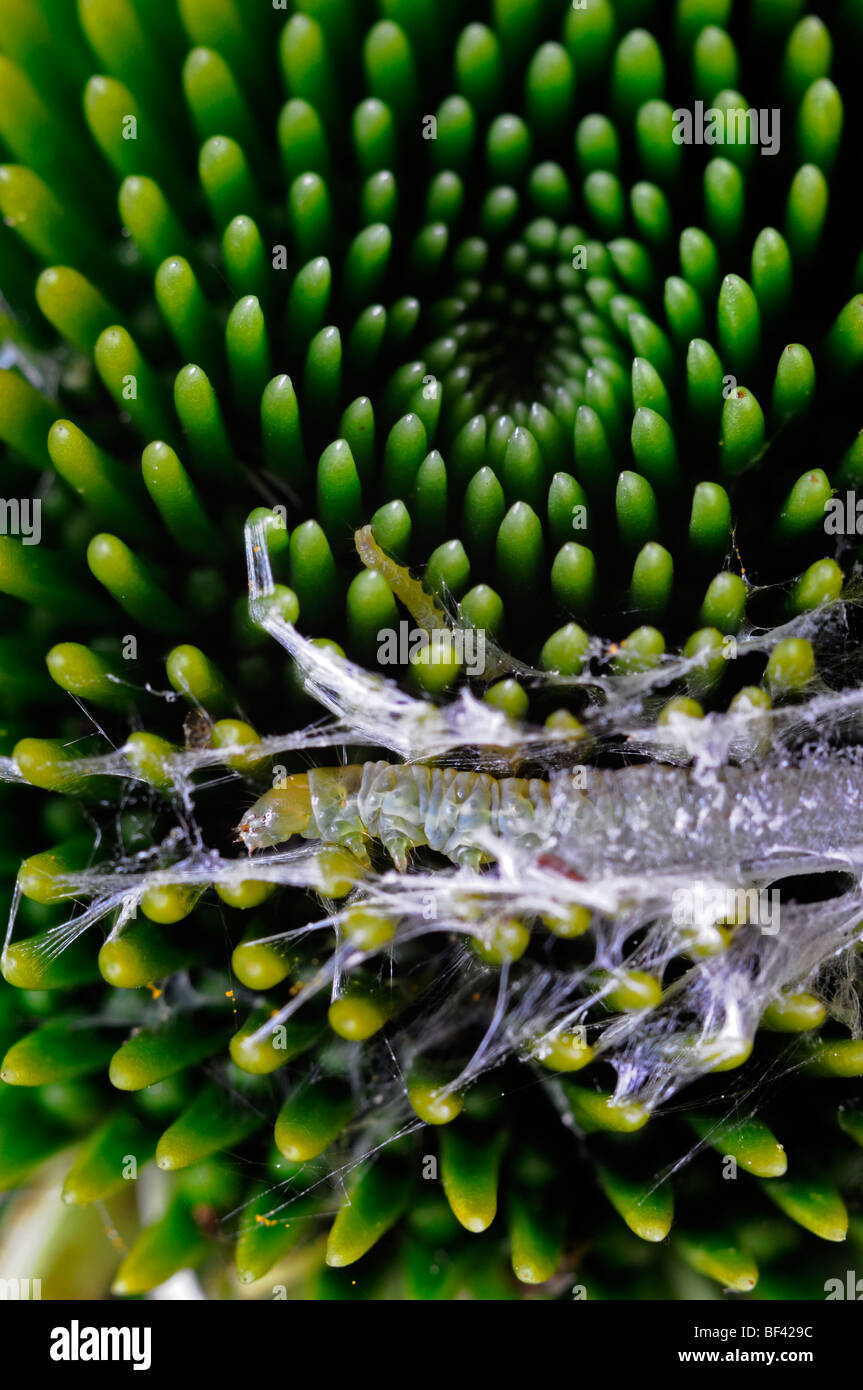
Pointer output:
457, 813
599, 819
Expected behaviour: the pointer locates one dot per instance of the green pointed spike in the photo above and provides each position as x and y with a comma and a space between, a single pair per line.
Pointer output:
661, 158
648, 340
523, 473
597, 144
144, 953
389, 68
574, 578
589, 35
844, 343
597, 1110
793, 1013
699, 263
340, 503
109, 491
594, 459
724, 605
604, 198
714, 1257
793, 386
637, 510
536, 1239
771, 273
638, 72
647, 1210
710, 519
374, 1203
25, 418
683, 310
549, 88
821, 583
30, 964
519, 549
200, 415
805, 211
749, 1142
371, 610
215, 100
161, 1250
41, 876
178, 502
808, 55
392, 529
133, 383
447, 570
74, 306
216, 1120
724, 200
150, 220
128, 582
102, 1166
742, 431
55, 234
651, 214
705, 383
652, 579
470, 1165
804, 507
654, 449
269, 1230
819, 124
641, 650
313, 571
739, 325
152, 1054
483, 510
842, 1056
57, 1052
715, 64
278, 1044
88, 676
311, 1119
815, 1204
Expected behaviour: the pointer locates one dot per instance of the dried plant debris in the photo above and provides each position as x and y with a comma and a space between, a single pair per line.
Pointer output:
478, 387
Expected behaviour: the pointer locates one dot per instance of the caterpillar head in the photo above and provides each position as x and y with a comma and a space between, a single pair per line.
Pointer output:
277, 815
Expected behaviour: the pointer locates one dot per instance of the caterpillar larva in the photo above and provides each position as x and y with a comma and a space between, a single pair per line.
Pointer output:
599, 820
454, 812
